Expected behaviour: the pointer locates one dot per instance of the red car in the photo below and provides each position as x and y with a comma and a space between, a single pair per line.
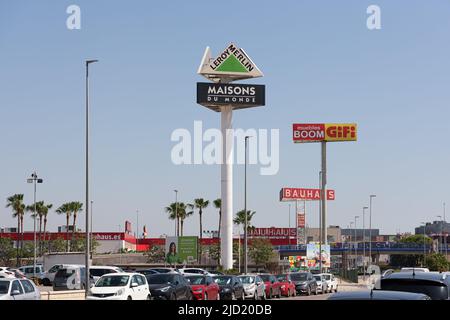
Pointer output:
203, 287
287, 286
273, 286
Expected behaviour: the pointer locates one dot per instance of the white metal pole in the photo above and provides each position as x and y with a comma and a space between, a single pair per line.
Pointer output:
226, 238
34, 253
324, 196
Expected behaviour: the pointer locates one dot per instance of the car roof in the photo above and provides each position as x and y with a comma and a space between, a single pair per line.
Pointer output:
377, 295
104, 267
122, 274
434, 276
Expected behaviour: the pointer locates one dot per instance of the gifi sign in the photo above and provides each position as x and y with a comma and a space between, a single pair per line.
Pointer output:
327, 132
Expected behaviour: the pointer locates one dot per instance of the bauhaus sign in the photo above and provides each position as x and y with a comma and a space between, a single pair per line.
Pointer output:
292, 194
321, 132
272, 233
214, 95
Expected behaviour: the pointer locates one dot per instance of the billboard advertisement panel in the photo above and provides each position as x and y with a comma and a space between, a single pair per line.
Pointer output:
181, 250
298, 263
313, 256
324, 132
291, 194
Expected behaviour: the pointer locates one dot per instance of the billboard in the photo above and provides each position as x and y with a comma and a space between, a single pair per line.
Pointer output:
181, 250
291, 194
298, 263
272, 233
214, 95
324, 132
313, 256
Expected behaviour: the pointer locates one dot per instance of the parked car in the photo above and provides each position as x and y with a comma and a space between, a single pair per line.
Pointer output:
272, 285
304, 283
203, 287
169, 286
377, 295
196, 271
120, 286
97, 271
28, 271
322, 285
407, 269
49, 275
18, 289
71, 277
436, 285
165, 270
254, 287
331, 281
286, 285
231, 288
146, 271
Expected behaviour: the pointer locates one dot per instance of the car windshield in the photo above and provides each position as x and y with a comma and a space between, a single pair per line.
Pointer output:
281, 277
247, 280
223, 280
160, 278
299, 276
112, 281
435, 290
64, 273
196, 280
318, 278
327, 277
4, 286
265, 277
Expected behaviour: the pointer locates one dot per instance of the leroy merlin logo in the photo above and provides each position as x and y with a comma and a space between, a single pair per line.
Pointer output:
232, 60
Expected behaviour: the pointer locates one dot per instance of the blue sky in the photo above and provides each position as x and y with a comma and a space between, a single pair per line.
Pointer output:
321, 64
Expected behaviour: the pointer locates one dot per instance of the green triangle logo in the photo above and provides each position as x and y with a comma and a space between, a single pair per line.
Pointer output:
231, 64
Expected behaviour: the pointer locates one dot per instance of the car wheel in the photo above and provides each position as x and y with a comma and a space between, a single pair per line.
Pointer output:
129, 298
256, 297
242, 295
149, 298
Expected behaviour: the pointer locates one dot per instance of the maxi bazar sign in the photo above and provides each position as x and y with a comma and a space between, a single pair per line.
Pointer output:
272, 233
291, 194
324, 132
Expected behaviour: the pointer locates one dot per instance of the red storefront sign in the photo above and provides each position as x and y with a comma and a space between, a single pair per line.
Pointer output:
272, 233
301, 220
291, 194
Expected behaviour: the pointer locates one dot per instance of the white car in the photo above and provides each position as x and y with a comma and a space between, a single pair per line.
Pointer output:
28, 271
18, 289
331, 281
254, 287
408, 269
98, 271
192, 271
322, 285
120, 286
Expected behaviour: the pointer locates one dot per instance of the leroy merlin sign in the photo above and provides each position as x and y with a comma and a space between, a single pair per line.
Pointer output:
232, 62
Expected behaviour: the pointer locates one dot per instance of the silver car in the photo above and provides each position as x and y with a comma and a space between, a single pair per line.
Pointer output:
18, 289
254, 287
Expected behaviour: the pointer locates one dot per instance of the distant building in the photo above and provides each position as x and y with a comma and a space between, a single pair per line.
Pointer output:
434, 229
333, 234
348, 234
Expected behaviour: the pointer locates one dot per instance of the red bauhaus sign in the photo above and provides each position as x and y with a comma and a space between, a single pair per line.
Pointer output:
291, 194
273, 233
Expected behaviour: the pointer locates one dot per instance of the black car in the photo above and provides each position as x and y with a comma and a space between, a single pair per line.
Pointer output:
434, 284
230, 287
378, 295
147, 271
169, 286
304, 282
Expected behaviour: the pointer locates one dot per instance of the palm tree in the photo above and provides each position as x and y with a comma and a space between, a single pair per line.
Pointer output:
200, 204
240, 219
65, 209
75, 207
45, 209
173, 212
41, 211
218, 205
15, 202
184, 211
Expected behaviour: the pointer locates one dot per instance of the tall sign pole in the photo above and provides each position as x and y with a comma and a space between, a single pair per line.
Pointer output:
323, 193
231, 64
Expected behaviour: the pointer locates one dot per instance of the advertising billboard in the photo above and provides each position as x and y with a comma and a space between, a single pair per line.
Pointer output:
291, 194
320, 132
214, 95
313, 256
298, 263
181, 250
272, 233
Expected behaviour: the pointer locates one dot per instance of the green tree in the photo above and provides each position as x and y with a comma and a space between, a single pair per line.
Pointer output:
41, 212
200, 204
218, 205
437, 262
65, 209
261, 251
7, 252
57, 245
174, 214
417, 239
45, 209
75, 207
187, 210
156, 254
15, 202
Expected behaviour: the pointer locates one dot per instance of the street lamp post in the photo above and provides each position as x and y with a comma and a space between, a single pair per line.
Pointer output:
92, 214
245, 210
34, 179
176, 212
87, 244
351, 237
424, 252
370, 226
440, 236
289, 233
356, 245
364, 242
